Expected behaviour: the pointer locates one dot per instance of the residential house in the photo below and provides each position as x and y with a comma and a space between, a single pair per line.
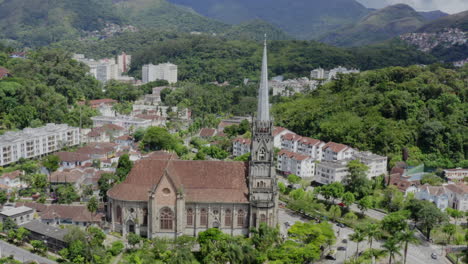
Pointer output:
207, 133
241, 146
124, 141
377, 164
278, 132
439, 195
456, 175
73, 177
404, 184
310, 147
70, 160
4, 73
458, 198
295, 163
19, 215
289, 142
327, 172
12, 180
334, 151
97, 151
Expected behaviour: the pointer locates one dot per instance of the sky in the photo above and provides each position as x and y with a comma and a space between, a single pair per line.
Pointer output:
448, 6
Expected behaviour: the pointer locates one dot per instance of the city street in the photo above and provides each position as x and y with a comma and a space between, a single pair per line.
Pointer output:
21, 254
417, 254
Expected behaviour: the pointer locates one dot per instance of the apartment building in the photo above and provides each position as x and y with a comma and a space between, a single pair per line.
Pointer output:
327, 172
377, 164
127, 122
36, 142
241, 146
295, 163
164, 71
334, 151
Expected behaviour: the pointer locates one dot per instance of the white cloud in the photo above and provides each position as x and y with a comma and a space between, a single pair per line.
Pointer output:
449, 6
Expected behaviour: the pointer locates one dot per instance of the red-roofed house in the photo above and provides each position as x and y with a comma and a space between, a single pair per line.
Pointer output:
207, 132
278, 132
310, 147
241, 146
295, 163
289, 142
70, 160
4, 73
12, 180
334, 151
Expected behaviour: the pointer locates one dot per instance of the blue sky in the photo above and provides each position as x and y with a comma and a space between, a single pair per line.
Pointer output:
448, 6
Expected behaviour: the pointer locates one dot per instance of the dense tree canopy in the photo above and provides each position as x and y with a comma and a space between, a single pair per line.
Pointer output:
422, 108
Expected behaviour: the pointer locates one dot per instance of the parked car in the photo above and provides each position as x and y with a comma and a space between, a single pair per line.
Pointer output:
434, 256
341, 248
342, 204
341, 225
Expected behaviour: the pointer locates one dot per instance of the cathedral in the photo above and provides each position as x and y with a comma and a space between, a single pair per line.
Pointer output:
167, 197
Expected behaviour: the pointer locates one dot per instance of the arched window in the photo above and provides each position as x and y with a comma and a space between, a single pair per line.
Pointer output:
262, 218
190, 217
262, 154
145, 216
240, 218
167, 217
228, 218
203, 217
118, 214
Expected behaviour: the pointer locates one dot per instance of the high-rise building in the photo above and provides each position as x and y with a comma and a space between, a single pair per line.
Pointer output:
164, 71
123, 61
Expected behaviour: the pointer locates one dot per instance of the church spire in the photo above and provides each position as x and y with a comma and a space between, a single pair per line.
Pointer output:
263, 110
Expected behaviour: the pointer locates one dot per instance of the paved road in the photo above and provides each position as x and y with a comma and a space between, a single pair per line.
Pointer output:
417, 254
21, 254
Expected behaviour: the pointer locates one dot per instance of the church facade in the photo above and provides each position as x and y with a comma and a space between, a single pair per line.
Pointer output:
167, 197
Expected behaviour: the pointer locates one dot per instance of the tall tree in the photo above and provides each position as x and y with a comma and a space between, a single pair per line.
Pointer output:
392, 247
51, 163
123, 167
407, 237
358, 236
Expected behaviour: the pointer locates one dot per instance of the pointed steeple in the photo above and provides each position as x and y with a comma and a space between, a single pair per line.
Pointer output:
263, 110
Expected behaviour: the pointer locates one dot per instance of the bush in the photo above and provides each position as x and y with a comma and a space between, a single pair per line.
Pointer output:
293, 179
116, 248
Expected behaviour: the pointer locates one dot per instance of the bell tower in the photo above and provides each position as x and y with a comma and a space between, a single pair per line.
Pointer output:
263, 193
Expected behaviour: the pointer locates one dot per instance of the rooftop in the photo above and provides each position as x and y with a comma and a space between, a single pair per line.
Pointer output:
17, 211
335, 147
119, 119
38, 227
30, 133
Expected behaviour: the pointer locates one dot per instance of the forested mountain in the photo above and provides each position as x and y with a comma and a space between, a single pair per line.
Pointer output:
378, 26
203, 58
34, 23
432, 15
39, 22
304, 19
422, 108
445, 38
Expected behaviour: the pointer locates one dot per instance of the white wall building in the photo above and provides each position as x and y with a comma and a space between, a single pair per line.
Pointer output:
327, 172
310, 147
19, 215
456, 175
334, 151
294, 163
126, 122
289, 142
377, 164
278, 132
164, 71
241, 146
36, 142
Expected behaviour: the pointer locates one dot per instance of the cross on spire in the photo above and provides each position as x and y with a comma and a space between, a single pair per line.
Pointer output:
263, 110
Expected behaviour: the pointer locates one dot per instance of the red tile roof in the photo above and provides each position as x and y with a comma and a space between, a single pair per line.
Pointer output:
72, 156
293, 155
12, 175
290, 136
278, 130
150, 117
200, 181
207, 132
66, 176
96, 103
335, 147
78, 213
244, 141
125, 137
4, 72
309, 141
459, 188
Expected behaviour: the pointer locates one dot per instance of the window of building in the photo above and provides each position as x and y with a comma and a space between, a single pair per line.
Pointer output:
167, 218
262, 218
240, 218
203, 217
118, 215
190, 217
145, 216
228, 218
262, 154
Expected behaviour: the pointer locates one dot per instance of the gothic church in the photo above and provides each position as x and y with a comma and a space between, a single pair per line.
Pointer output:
167, 197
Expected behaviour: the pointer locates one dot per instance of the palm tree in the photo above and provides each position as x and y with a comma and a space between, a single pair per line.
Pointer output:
372, 233
393, 248
358, 236
406, 237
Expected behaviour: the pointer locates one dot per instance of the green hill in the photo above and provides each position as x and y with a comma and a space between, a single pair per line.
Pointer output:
459, 20
255, 30
378, 26
304, 19
39, 22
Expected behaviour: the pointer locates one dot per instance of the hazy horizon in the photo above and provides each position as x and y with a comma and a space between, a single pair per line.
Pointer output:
448, 6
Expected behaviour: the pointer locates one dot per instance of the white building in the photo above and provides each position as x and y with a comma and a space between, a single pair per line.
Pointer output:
12, 180
327, 172
241, 146
127, 122
294, 163
310, 147
107, 70
36, 142
377, 164
322, 74
278, 132
334, 151
123, 61
19, 215
289, 142
292, 86
438, 195
456, 175
164, 71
